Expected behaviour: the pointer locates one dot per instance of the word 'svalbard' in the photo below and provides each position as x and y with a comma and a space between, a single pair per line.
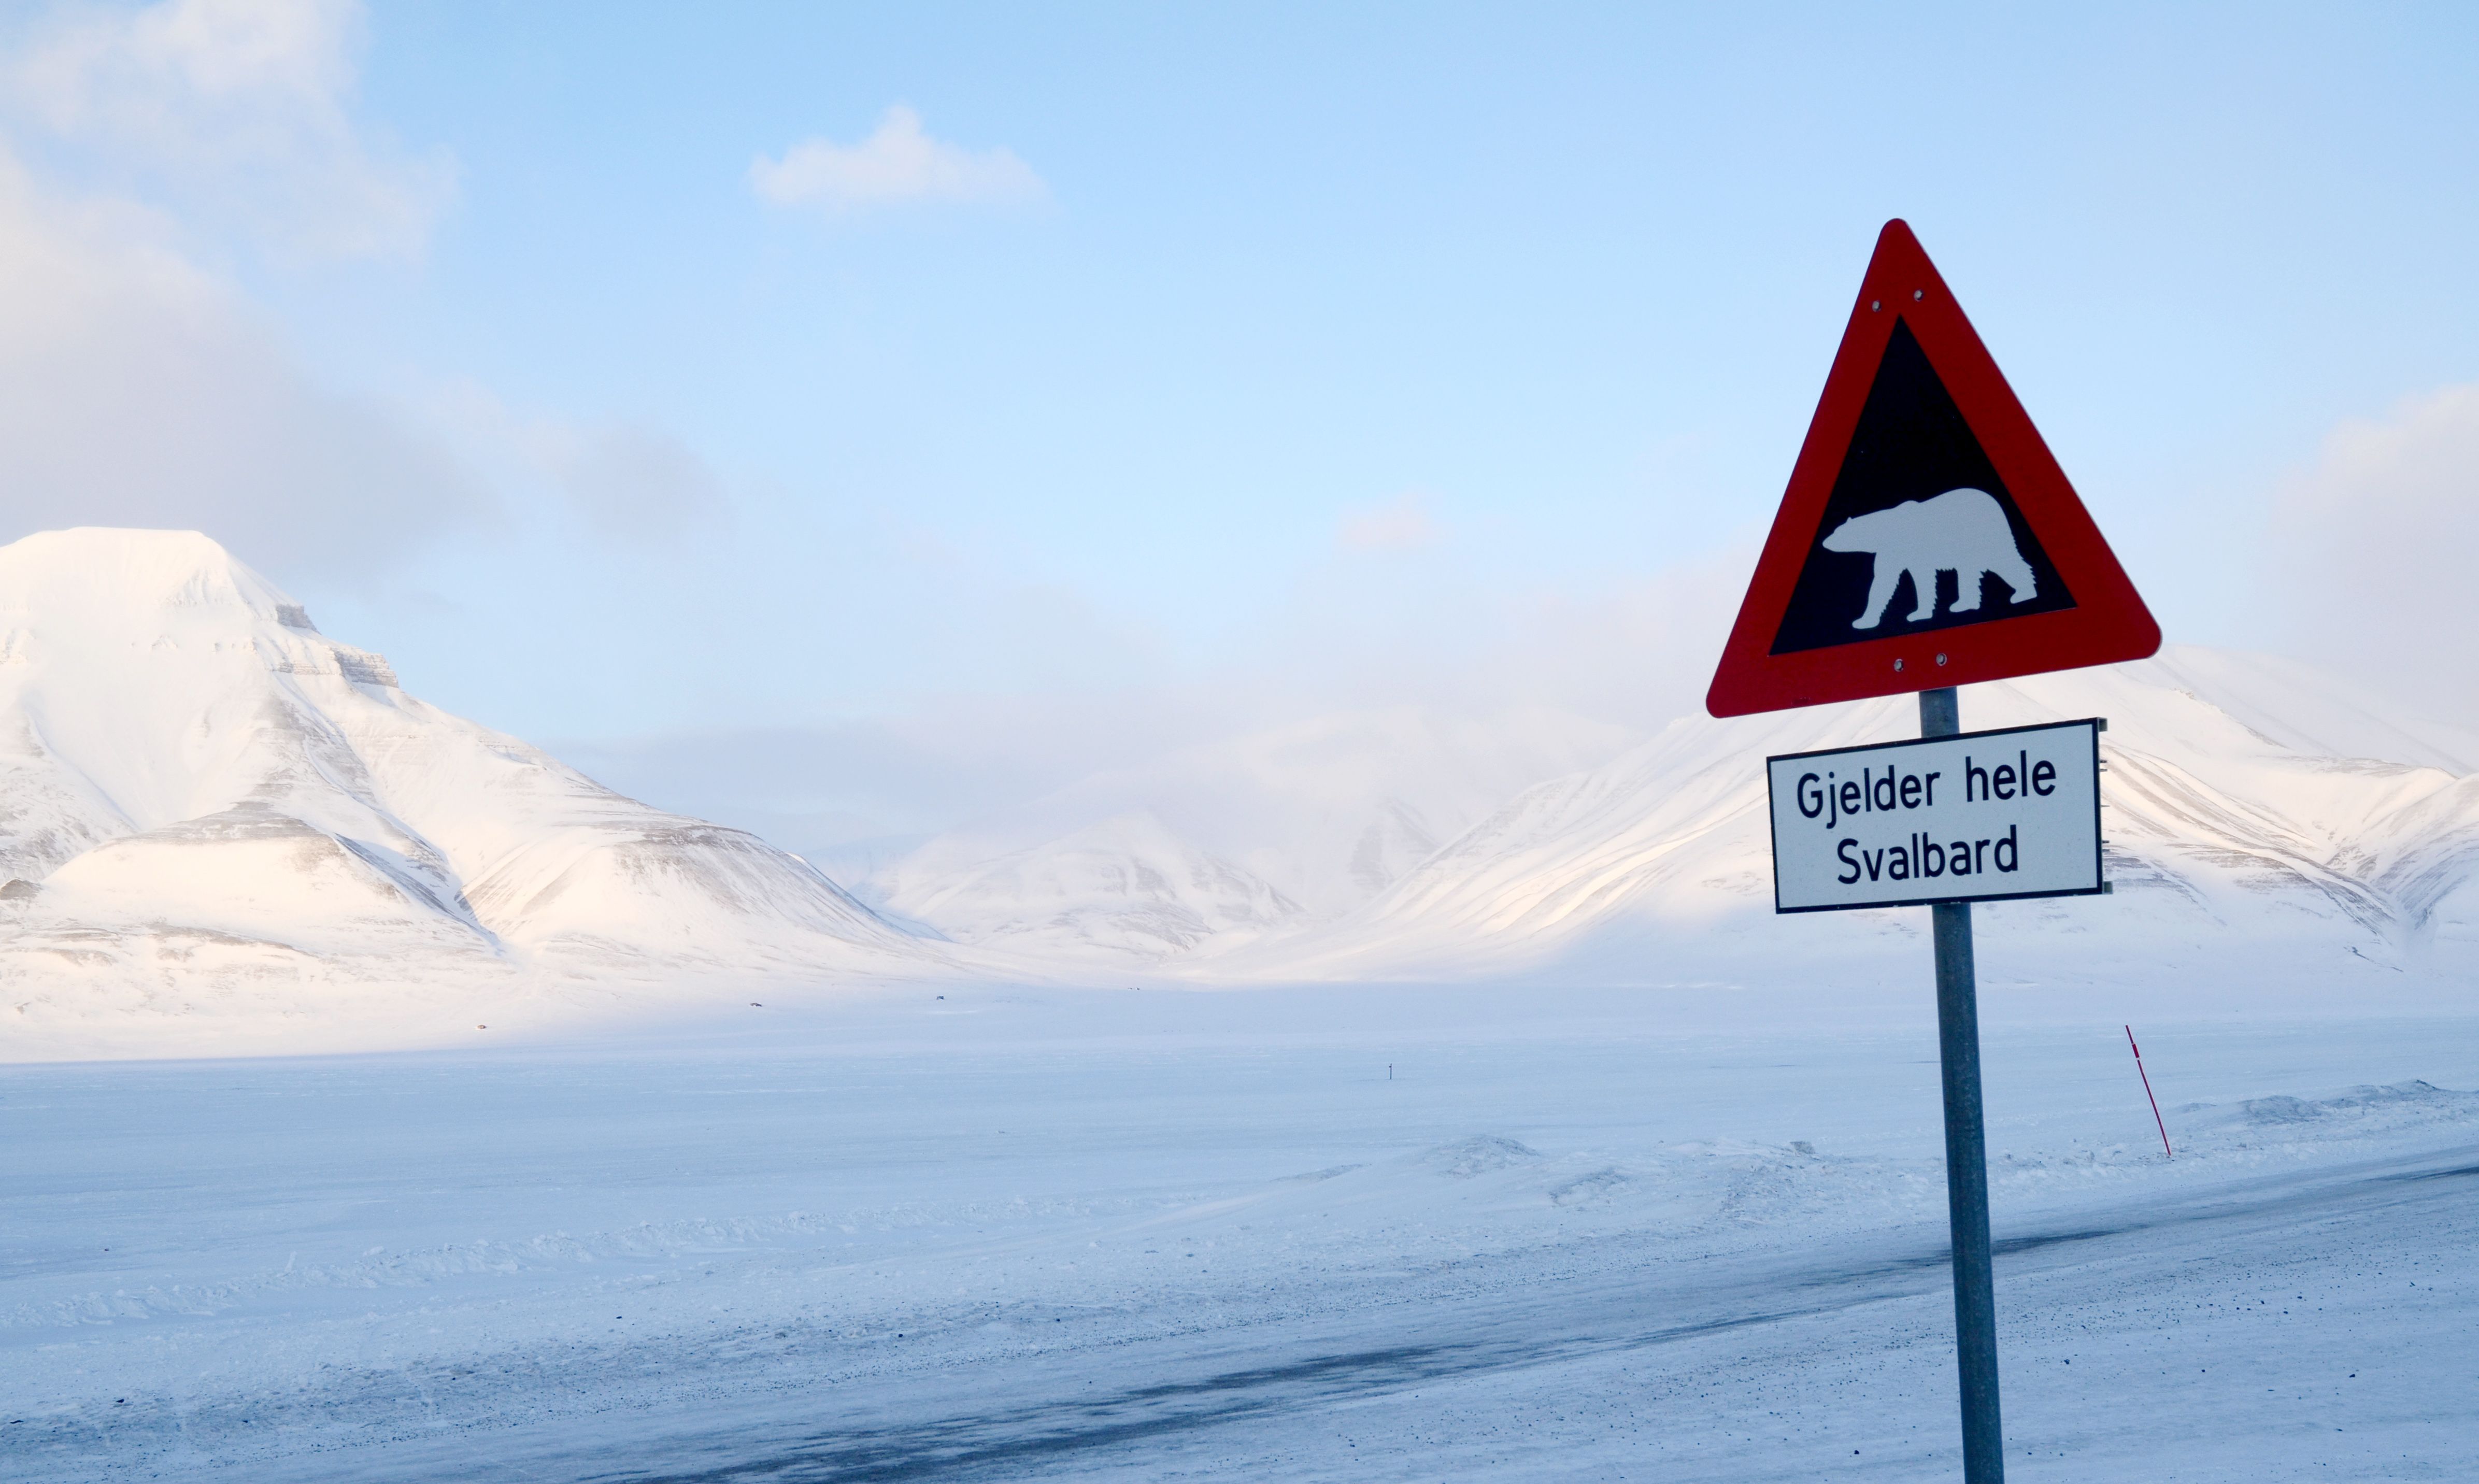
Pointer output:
1976, 817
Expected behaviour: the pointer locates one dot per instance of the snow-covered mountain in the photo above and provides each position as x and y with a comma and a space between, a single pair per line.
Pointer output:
2259, 825
211, 814
206, 805
2261, 817
1236, 841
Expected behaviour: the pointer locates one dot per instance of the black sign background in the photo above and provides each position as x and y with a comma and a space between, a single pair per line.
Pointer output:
1911, 443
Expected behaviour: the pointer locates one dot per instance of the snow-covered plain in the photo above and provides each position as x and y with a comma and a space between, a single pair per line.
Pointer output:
1148, 1234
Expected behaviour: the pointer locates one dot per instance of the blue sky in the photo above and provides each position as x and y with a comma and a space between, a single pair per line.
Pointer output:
1242, 360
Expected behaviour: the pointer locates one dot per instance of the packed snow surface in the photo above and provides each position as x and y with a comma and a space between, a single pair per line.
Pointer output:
1345, 1233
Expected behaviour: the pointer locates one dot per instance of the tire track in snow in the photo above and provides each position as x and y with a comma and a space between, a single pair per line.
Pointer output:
1012, 1441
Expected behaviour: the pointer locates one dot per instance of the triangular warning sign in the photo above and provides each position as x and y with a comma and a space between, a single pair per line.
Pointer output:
1928, 537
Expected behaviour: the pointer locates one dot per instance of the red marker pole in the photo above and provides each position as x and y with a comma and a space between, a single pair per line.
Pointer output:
2147, 1091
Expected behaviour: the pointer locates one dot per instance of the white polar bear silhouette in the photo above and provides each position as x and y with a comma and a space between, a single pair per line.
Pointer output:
1961, 531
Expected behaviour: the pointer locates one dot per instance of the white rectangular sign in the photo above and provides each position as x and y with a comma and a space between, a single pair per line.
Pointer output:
1979, 817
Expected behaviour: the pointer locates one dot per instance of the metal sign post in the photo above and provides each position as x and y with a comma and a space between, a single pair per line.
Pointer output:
1953, 818
1966, 1158
1928, 539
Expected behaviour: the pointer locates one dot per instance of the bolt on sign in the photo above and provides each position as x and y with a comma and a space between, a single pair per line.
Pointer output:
1929, 540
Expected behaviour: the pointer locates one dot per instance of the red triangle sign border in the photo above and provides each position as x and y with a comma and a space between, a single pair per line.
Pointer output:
2108, 622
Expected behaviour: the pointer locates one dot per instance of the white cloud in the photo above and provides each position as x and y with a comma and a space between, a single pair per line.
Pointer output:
636, 482
241, 111
1399, 525
626, 479
1626, 661
2372, 550
898, 165
137, 390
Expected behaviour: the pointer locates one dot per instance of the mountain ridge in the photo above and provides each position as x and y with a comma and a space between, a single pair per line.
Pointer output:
220, 828
2272, 849
206, 805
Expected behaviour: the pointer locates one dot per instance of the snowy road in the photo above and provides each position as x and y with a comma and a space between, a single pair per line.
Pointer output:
987, 1242
1765, 1371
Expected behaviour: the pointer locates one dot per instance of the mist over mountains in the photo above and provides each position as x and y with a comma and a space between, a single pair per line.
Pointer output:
2259, 823
220, 827
1255, 835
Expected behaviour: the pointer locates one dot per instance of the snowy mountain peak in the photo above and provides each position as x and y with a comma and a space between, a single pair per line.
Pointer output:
98, 575
202, 796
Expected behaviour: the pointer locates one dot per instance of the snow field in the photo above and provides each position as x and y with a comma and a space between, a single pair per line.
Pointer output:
1154, 1235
